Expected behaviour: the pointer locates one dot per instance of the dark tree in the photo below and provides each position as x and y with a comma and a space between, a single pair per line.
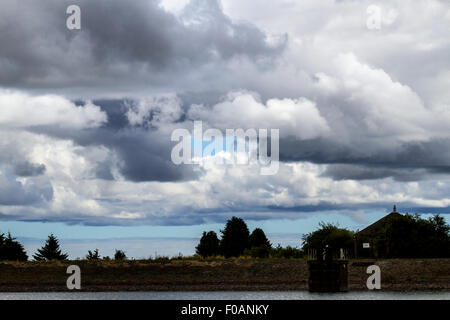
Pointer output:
50, 251
331, 235
235, 238
11, 250
258, 239
120, 255
209, 245
92, 256
440, 239
410, 236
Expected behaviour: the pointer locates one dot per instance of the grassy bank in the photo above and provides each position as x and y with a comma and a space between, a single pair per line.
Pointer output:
239, 274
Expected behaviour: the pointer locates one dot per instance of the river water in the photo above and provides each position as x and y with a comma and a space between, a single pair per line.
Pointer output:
227, 295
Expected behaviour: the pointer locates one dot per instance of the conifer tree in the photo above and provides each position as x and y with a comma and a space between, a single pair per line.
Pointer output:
50, 251
11, 249
235, 238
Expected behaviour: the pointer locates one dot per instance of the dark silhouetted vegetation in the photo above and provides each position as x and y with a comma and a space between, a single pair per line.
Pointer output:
238, 242
410, 236
258, 239
260, 246
286, 253
93, 256
120, 255
235, 238
209, 245
328, 235
50, 251
11, 249
257, 252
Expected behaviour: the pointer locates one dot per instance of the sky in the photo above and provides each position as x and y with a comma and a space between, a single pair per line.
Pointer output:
357, 89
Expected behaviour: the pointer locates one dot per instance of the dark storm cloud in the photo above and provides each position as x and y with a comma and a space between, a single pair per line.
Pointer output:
361, 172
116, 113
120, 42
14, 193
146, 157
27, 169
426, 210
403, 207
144, 154
411, 161
329, 206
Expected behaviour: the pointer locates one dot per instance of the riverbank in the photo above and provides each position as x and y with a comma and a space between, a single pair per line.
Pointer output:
216, 275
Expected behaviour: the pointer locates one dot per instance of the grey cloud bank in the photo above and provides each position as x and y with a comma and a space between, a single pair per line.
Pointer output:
122, 45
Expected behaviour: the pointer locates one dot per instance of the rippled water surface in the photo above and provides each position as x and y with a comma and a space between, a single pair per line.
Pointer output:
253, 295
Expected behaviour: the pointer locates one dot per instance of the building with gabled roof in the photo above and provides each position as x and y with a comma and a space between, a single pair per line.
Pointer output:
366, 240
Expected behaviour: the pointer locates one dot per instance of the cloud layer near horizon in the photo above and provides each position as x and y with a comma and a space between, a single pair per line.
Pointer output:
86, 116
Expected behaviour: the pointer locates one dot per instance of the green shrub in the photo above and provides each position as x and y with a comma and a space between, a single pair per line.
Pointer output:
258, 252
286, 253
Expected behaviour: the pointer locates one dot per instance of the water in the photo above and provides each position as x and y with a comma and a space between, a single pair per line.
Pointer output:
227, 295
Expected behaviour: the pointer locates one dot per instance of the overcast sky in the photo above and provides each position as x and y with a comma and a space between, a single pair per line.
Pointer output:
86, 115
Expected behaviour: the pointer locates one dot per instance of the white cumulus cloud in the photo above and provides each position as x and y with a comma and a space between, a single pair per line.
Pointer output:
19, 110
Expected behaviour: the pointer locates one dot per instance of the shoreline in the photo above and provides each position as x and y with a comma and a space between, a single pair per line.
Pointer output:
217, 275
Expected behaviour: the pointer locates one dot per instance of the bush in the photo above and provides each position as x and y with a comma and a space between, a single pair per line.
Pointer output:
93, 256
162, 260
258, 252
120, 255
286, 253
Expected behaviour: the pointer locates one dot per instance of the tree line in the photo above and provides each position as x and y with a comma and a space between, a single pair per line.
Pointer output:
13, 250
236, 240
408, 236
405, 236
